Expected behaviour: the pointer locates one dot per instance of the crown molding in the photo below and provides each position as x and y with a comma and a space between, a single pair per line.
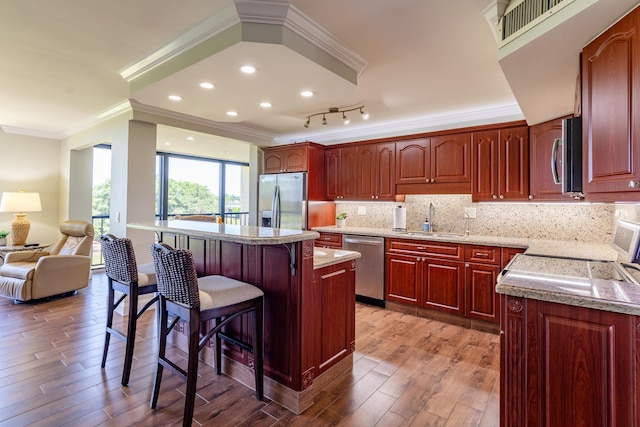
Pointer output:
30, 132
228, 130
482, 115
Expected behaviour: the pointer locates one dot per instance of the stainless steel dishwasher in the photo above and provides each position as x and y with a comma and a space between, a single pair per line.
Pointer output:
369, 267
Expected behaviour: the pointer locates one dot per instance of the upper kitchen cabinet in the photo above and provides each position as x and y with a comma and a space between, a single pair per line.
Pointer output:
611, 113
302, 157
544, 153
376, 171
341, 173
501, 164
436, 165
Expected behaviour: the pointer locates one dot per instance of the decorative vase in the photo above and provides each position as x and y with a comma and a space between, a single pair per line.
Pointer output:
3, 242
340, 223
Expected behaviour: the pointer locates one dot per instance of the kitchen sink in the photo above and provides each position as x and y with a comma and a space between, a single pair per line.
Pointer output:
432, 234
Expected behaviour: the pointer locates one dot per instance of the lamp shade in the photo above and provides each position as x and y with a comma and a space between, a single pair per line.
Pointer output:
20, 202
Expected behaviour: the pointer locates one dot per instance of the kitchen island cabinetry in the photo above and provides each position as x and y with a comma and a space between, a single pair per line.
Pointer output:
436, 165
308, 312
501, 165
564, 364
611, 112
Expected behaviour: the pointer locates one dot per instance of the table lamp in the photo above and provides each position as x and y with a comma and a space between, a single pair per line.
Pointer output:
20, 202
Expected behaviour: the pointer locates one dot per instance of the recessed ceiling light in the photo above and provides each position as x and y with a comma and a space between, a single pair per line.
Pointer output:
190, 138
167, 143
232, 113
306, 93
207, 85
248, 69
175, 97
265, 104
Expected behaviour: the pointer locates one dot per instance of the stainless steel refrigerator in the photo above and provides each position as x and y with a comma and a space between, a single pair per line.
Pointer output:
282, 201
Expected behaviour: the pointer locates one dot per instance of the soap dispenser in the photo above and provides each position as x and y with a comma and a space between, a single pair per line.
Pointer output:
426, 226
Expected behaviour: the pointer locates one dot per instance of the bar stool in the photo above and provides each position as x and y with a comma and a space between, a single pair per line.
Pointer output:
124, 275
198, 300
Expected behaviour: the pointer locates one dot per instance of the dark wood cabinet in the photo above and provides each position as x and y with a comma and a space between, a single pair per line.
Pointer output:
508, 254
443, 285
542, 146
302, 157
482, 266
565, 365
611, 111
403, 274
341, 173
376, 172
436, 165
501, 164
329, 240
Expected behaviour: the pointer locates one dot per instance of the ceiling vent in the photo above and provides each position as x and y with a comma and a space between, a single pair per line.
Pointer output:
521, 15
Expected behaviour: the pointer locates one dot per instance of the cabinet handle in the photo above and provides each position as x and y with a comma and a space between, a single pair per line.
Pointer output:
530, 196
481, 254
422, 248
501, 196
372, 197
433, 180
466, 265
634, 184
494, 196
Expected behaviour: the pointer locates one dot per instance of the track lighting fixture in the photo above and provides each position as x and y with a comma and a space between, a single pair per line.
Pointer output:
335, 110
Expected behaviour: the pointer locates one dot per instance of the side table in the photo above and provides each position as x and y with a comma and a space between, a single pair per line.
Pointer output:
4, 250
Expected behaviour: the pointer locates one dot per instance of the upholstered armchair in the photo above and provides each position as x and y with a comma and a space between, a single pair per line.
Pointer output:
63, 269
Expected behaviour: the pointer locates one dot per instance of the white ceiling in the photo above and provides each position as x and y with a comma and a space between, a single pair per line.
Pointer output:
420, 64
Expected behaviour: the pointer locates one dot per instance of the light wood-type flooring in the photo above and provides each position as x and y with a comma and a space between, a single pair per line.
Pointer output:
408, 371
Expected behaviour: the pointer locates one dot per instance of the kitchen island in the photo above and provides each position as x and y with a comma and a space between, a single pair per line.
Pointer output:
570, 343
309, 312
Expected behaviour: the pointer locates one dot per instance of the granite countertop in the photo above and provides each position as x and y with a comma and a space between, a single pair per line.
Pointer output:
324, 257
559, 248
590, 284
233, 233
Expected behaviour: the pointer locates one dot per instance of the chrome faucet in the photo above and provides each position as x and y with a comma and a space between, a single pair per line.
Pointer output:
432, 211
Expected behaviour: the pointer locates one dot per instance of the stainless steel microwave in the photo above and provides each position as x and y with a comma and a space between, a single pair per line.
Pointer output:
570, 174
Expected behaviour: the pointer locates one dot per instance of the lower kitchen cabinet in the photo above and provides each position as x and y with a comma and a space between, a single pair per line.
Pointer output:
565, 365
448, 277
329, 240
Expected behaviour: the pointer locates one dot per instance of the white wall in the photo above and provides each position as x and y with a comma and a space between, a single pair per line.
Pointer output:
31, 163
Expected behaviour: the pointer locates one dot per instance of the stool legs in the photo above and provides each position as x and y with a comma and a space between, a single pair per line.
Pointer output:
131, 337
258, 350
110, 308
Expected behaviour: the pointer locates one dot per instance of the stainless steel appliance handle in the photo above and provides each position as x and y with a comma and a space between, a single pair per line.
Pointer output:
362, 241
275, 218
554, 160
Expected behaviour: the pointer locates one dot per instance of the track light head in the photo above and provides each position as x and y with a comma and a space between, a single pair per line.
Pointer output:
335, 110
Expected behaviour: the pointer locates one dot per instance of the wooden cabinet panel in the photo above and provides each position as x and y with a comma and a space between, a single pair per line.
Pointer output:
333, 186
451, 251
366, 172
508, 254
329, 240
541, 147
611, 110
451, 159
413, 162
443, 286
386, 171
482, 254
341, 173
501, 164
290, 159
564, 363
402, 278
482, 300
336, 312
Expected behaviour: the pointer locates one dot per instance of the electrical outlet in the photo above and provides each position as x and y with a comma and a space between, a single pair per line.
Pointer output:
470, 213
362, 210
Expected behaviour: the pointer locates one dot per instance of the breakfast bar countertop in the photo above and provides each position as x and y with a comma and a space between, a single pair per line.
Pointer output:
250, 235
324, 257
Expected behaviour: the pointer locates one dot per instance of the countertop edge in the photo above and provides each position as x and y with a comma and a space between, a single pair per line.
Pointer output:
326, 257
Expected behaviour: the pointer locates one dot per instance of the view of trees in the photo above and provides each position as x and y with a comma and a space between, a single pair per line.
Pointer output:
185, 197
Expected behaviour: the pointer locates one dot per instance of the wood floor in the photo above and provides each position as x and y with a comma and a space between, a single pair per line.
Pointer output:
408, 371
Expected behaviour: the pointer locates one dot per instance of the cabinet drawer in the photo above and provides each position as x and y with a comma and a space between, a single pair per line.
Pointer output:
444, 250
482, 254
331, 240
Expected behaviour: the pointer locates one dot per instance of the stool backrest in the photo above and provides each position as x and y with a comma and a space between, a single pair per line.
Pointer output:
176, 274
119, 258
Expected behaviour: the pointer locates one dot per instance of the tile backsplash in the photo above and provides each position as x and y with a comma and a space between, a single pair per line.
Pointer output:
584, 222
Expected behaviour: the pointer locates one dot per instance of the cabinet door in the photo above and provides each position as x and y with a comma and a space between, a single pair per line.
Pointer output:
349, 172
508, 254
366, 189
514, 164
443, 283
295, 159
611, 108
402, 275
386, 171
541, 149
451, 159
332, 170
482, 301
485, 166
413, 162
